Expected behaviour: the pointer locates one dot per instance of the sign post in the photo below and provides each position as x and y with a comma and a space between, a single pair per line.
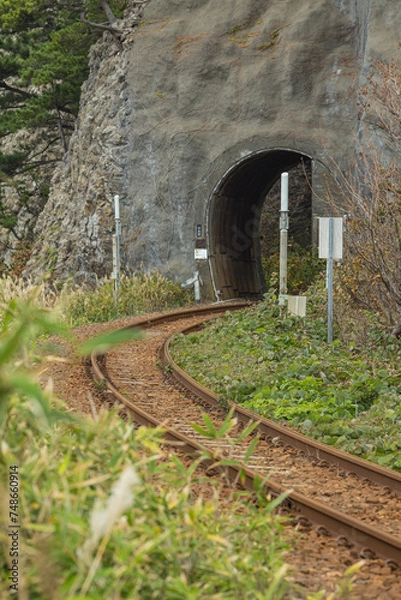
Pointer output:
116, 250
282, 298
331, 248
196, 281
330, 283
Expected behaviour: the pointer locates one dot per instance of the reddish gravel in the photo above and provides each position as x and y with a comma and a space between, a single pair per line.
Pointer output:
317, 561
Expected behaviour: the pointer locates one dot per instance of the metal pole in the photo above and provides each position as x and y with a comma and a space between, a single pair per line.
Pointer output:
282, 299
197, 289
117, 249
330, 282
114, 274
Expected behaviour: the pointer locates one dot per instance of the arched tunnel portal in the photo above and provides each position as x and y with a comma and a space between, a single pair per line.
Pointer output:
234, 214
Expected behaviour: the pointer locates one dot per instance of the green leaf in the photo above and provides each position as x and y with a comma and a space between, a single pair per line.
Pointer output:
247, 431
227, 425
202, 431
105, 342
211, 429
10, 345
251, 449
226, 462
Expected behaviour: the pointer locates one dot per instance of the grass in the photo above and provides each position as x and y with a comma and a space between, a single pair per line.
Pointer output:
98, 510
104, 514
282, 368
103, 511
140, 293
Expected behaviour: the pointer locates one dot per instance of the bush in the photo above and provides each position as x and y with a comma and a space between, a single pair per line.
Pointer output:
140, 293
371, 199
303, 267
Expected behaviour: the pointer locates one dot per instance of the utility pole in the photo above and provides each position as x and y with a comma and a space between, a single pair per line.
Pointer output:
282, 298
330, 282
116, 250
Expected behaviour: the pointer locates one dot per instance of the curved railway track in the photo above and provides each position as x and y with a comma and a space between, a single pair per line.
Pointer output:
356, 502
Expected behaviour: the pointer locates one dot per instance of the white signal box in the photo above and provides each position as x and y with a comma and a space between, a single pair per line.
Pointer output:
297, 305
200, 253
337, 237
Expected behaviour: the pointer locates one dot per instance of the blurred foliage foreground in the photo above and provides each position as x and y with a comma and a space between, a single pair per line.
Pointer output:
93, 508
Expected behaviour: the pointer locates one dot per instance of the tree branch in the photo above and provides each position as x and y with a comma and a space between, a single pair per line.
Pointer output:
103, 27
108, 12
115, 32
9, 88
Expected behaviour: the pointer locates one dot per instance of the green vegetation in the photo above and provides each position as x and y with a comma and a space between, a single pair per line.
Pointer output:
40, 83
44, 51
138, 294
111, 518
282, 368
104, 513
303, 267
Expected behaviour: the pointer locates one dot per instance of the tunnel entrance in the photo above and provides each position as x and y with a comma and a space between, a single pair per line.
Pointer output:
235, 211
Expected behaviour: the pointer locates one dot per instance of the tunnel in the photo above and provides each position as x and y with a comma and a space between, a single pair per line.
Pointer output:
234, 214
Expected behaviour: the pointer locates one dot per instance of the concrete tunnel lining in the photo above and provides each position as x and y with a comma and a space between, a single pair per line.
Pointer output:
234, 218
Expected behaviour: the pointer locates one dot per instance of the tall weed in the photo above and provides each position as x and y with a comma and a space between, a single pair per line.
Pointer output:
140, 293
100, 512
40, 295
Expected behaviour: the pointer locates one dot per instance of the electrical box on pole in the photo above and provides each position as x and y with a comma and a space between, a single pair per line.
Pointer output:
324, 233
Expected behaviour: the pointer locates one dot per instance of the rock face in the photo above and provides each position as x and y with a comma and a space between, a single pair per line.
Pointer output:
74, 230
191, 122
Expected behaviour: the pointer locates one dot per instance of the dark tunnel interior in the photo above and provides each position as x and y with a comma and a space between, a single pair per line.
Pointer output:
234, 219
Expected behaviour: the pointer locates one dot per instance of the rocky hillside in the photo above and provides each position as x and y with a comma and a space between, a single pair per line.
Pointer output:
191, 90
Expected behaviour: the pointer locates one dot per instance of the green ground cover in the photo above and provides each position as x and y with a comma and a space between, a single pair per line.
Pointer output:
346, 394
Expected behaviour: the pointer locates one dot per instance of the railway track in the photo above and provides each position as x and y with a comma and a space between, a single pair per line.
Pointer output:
355, 502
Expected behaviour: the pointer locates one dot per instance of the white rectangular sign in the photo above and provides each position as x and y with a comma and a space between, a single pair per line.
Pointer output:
200, 253
337, 237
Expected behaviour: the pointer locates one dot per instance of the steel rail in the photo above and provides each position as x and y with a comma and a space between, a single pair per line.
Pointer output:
363, 536
307, 446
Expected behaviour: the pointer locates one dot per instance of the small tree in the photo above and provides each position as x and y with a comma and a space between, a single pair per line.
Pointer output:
371, 272
40, 80
44, 48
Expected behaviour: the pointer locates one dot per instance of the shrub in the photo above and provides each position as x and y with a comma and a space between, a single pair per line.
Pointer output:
303, 267
137, 294
371, 199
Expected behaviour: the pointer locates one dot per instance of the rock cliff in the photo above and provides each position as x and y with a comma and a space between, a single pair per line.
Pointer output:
194, 116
